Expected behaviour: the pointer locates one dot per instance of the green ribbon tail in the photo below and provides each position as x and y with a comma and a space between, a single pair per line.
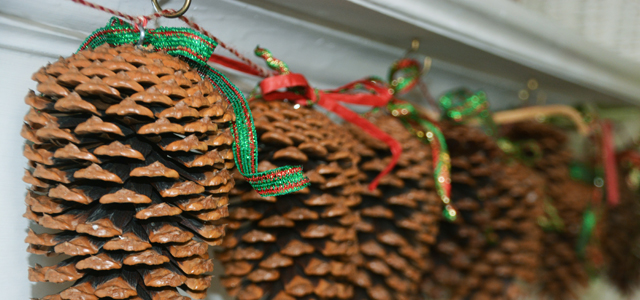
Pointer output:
407, 113
589, 220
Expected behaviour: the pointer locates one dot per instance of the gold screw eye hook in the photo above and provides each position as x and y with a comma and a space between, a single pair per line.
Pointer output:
415, 45
178, 13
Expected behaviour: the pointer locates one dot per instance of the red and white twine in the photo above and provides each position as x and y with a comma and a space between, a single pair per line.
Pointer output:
143, 20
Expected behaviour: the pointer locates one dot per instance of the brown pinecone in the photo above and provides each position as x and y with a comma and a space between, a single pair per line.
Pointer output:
295, 246
399, 220
562, 270
620, 238
495, 241
130, 157
553, 160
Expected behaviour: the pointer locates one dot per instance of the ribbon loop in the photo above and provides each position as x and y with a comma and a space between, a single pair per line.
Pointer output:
368, 91
461, 106
196, 49
292, 86
404, 75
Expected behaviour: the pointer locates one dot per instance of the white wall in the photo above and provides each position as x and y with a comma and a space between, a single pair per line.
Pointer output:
14, 81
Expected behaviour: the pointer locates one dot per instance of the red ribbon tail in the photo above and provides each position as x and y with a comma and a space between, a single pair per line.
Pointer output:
233, 64
610, 167
353, 118
396, 150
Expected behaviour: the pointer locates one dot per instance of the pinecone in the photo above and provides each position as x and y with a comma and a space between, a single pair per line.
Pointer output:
399, 220
130, 157
562, 271
551, 159
620, 238
295, 246
495, 241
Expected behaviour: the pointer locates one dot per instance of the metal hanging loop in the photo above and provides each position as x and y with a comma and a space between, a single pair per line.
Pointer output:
415, 45
176, 14
142, 35
426, 65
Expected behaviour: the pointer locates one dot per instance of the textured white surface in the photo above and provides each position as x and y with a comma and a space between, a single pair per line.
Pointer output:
13, 258
613, 24
495, 37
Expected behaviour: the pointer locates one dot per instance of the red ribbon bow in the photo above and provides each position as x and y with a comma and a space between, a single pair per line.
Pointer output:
330, 99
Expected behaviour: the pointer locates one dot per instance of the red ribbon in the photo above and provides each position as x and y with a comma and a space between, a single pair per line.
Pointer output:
280, 87
609, 159
233, 64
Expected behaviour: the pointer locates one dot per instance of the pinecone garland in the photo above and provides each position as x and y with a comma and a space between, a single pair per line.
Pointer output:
130, 158
495, 241
399, 220
620, 238
562, 271
295, 246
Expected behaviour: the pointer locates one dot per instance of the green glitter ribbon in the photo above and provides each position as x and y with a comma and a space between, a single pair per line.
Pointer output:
590, 175
462, 106
430, 132
273, 63
404, 74
196, 48
582, 172
589, 220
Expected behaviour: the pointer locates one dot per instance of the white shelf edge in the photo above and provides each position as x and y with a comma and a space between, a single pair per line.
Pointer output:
505, 29
53, 42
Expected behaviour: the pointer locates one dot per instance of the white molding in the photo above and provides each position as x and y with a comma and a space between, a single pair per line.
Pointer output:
327, 56
507, 30
29, 37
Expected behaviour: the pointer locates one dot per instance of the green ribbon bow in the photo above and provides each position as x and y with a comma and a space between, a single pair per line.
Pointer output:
196, 48
461, 106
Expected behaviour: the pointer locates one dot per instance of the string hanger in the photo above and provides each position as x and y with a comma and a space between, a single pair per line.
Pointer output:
171, 13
